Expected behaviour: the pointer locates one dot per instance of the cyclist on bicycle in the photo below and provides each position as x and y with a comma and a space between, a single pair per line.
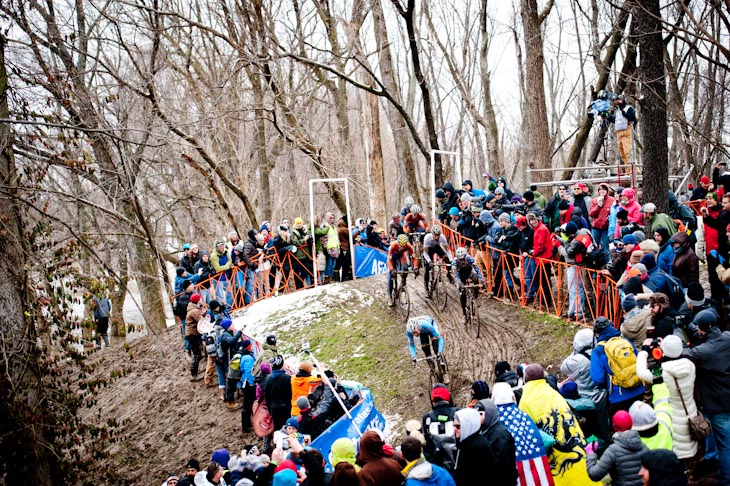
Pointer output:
466, 271
435, 243
415, 221
407, 203
424, 328
398, 254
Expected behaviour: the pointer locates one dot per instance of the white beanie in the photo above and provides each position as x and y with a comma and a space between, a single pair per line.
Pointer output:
672, 346
502, 393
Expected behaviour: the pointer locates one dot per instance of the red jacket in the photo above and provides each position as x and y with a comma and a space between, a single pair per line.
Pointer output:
599, 214
541, 245
712, 237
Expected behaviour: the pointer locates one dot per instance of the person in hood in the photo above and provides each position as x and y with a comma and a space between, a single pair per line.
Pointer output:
502, 182
376, 468
250, 258
474, 457
713, 382
501, 442
622, 458
619, 398
503, 373
683, 213
418, 471
686, 264
531, 460
661, 467
633, 208
451, 199
553, 415
278, 393
577, 367
343, 450
582, 199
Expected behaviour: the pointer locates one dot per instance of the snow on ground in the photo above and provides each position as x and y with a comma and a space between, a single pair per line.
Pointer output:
276, 313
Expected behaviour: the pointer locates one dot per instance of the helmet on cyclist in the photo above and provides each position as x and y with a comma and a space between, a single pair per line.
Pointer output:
461, 253
408, 202
413, 325
415, 209
402, 240
436, 230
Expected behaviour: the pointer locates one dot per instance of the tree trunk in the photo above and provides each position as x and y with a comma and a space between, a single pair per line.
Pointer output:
494, 158
408, 15
540, 144
397, 123
25, 459
653, 106
377, 179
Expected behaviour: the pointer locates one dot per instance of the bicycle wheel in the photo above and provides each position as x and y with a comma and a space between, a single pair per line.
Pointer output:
473, 315
404, 301
438, 291
443, 371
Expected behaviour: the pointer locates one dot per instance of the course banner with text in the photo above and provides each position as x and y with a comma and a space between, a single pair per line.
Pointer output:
370, 261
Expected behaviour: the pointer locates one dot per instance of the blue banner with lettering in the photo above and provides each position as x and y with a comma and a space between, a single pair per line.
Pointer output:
364, 417
370, 261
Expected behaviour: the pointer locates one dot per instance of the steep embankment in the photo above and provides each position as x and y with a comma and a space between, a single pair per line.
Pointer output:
166, 419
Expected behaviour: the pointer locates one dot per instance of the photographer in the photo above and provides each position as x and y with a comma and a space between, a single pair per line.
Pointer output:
624, 116
720, 176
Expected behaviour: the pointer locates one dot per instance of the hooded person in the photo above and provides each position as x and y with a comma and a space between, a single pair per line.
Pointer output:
531, 460
633, 208
621, 459
343, 450
686, 264
376, 468
278, 393
418, 471
654, 433
302, 384
503, 373
501, 442
661, 467
553, 415
438, 428
474, 456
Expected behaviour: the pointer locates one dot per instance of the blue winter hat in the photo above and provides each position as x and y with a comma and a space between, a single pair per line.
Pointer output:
293, 422
186, 246
630, 240
569, 390
571, 228
454, 211
226, 323
221, 456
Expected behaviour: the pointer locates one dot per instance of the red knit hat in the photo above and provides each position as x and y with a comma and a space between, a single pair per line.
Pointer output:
440, 393
195, 298
704, 180
286, 464
622, 421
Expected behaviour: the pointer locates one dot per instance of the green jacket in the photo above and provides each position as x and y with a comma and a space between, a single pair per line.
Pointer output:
662, 220
299, 238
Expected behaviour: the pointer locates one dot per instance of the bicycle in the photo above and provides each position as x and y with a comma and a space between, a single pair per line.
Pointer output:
417, 240
438, 369
399, 292
434, 287
470, 306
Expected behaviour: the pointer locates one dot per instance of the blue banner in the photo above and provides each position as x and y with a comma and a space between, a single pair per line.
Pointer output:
370, 261
364, 417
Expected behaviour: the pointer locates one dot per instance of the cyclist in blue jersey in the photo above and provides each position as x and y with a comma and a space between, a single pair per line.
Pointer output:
424, 328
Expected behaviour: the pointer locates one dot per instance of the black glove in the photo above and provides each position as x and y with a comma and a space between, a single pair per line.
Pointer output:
413, 360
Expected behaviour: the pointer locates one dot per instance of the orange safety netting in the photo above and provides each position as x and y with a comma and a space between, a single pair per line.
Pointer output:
549, 286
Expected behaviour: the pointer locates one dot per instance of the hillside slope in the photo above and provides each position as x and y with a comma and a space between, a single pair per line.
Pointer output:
165, 419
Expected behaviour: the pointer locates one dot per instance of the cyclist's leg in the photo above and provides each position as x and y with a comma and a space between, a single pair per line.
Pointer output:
425, 344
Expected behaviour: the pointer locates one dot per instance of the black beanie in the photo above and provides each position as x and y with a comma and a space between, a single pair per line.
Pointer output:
563, 204
186, 283
193, 464
633, 286
501, 367
180, 271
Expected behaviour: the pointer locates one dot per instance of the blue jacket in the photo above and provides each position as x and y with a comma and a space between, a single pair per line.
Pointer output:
179, 282
601, 372
427, 474
665, 258
428, 329
246, 367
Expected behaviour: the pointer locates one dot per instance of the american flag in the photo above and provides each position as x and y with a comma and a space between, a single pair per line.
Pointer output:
533, 466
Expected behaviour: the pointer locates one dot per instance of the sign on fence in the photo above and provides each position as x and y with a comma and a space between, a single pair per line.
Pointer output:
369, 261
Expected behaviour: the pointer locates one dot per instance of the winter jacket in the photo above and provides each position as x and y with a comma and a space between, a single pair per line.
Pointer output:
503, 447
714, 229
665, 258
301, 385
583, 202
529, 442
277, 390
620, 460
682, 212
207, 271
684, 371
633, 207
660, 436
686, 265
250, 251
423, 473
662, 220
440, 441
375, 467
228, 343
599, 214
541, 245
713, 374
577, 367
192, 317
474, 456
635, 325
299, 239
553, 416
220, 261
601, 373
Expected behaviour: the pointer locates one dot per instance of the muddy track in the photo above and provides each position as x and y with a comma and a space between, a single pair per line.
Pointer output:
471, 358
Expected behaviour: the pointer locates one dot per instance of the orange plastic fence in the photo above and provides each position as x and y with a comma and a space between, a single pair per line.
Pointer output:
549, 286
539, 284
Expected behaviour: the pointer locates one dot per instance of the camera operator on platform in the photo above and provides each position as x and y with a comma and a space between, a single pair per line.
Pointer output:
624, 117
